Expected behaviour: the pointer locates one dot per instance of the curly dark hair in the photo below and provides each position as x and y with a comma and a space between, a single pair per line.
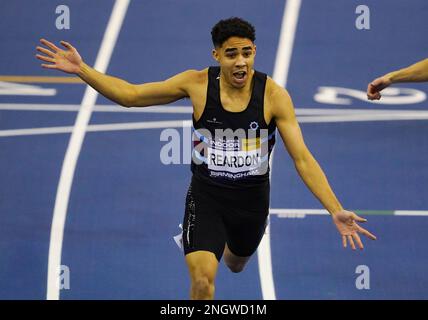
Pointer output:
232, 27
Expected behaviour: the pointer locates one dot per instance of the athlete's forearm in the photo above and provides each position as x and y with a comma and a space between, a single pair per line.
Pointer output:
115, 89
417, 72
315, 179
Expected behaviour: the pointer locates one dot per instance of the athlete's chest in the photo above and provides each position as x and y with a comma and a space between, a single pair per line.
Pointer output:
227, 104
234, 103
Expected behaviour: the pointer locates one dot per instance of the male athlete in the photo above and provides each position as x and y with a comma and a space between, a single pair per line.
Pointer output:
227, 203
417, 72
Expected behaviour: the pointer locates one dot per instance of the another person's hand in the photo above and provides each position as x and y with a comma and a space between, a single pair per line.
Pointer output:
377, 85
68, 60
345, 222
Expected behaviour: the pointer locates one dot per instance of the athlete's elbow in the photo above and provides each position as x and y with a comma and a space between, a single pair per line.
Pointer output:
303, 162
128, 98
300, 165
126, 104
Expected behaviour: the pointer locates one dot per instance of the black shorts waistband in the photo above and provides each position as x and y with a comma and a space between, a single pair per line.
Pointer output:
254, 198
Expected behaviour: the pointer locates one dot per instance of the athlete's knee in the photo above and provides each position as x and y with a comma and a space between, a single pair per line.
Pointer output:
202, 287
236, 267
203, 269
235, 263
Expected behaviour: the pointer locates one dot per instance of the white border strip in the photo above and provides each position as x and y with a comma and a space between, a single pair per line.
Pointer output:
73, 150
99, 128
189, 110
96, 108
423, 115
280, 74
286, 42
377, 116
301, 213
411, 213
297, 213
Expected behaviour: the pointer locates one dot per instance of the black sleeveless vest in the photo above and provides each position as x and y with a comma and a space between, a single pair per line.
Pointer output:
232, 149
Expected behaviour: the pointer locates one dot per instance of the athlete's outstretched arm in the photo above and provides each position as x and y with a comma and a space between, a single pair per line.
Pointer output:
310, 171
417, 72
115, 89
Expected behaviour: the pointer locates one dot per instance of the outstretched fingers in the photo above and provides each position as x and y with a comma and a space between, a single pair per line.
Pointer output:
359, 219
351, 242
45, 58
45, 51
366, 233
358, 240
351, 238
50, 45
49, 66
67, 45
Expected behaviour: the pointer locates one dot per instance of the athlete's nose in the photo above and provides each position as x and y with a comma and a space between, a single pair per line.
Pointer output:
240, 62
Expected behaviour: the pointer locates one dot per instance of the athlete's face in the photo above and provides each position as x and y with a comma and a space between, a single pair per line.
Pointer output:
236, 59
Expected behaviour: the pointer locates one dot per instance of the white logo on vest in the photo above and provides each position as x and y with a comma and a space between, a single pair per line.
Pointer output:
254, 125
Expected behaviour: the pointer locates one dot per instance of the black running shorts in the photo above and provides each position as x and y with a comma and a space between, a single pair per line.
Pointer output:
216, 215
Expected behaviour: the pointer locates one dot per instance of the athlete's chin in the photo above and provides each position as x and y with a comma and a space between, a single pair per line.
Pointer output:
238, 86
239, 83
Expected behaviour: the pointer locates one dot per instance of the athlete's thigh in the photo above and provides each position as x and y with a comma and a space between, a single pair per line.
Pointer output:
244, 231
245, 220
203, 228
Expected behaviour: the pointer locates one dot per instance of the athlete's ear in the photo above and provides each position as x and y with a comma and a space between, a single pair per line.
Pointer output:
215, 55
255, 50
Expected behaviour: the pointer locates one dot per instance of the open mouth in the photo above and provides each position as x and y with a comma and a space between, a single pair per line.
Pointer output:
239, 76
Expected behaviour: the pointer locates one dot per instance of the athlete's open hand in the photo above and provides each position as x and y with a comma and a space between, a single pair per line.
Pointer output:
68, 60
376, 86
345, 222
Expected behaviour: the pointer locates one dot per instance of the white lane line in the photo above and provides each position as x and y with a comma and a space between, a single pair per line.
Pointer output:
286, 42
365, 117
280, 74
96, 108
39, 107
34, 131
73, 150
301, 213
99, 128
297, 213
355, 111
140, 125
411, 213
305, 211
417, 115
306, 115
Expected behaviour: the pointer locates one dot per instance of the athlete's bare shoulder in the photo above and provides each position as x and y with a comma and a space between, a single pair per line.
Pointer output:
195, 81
201, 75
277, 99
195, 77
188, 82
192, 84
273, 89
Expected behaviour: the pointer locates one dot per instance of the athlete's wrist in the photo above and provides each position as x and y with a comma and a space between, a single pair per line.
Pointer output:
390, 78
335, 210
82, 69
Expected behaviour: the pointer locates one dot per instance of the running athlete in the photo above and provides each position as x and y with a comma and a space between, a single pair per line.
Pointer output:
417, 72
236, 111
